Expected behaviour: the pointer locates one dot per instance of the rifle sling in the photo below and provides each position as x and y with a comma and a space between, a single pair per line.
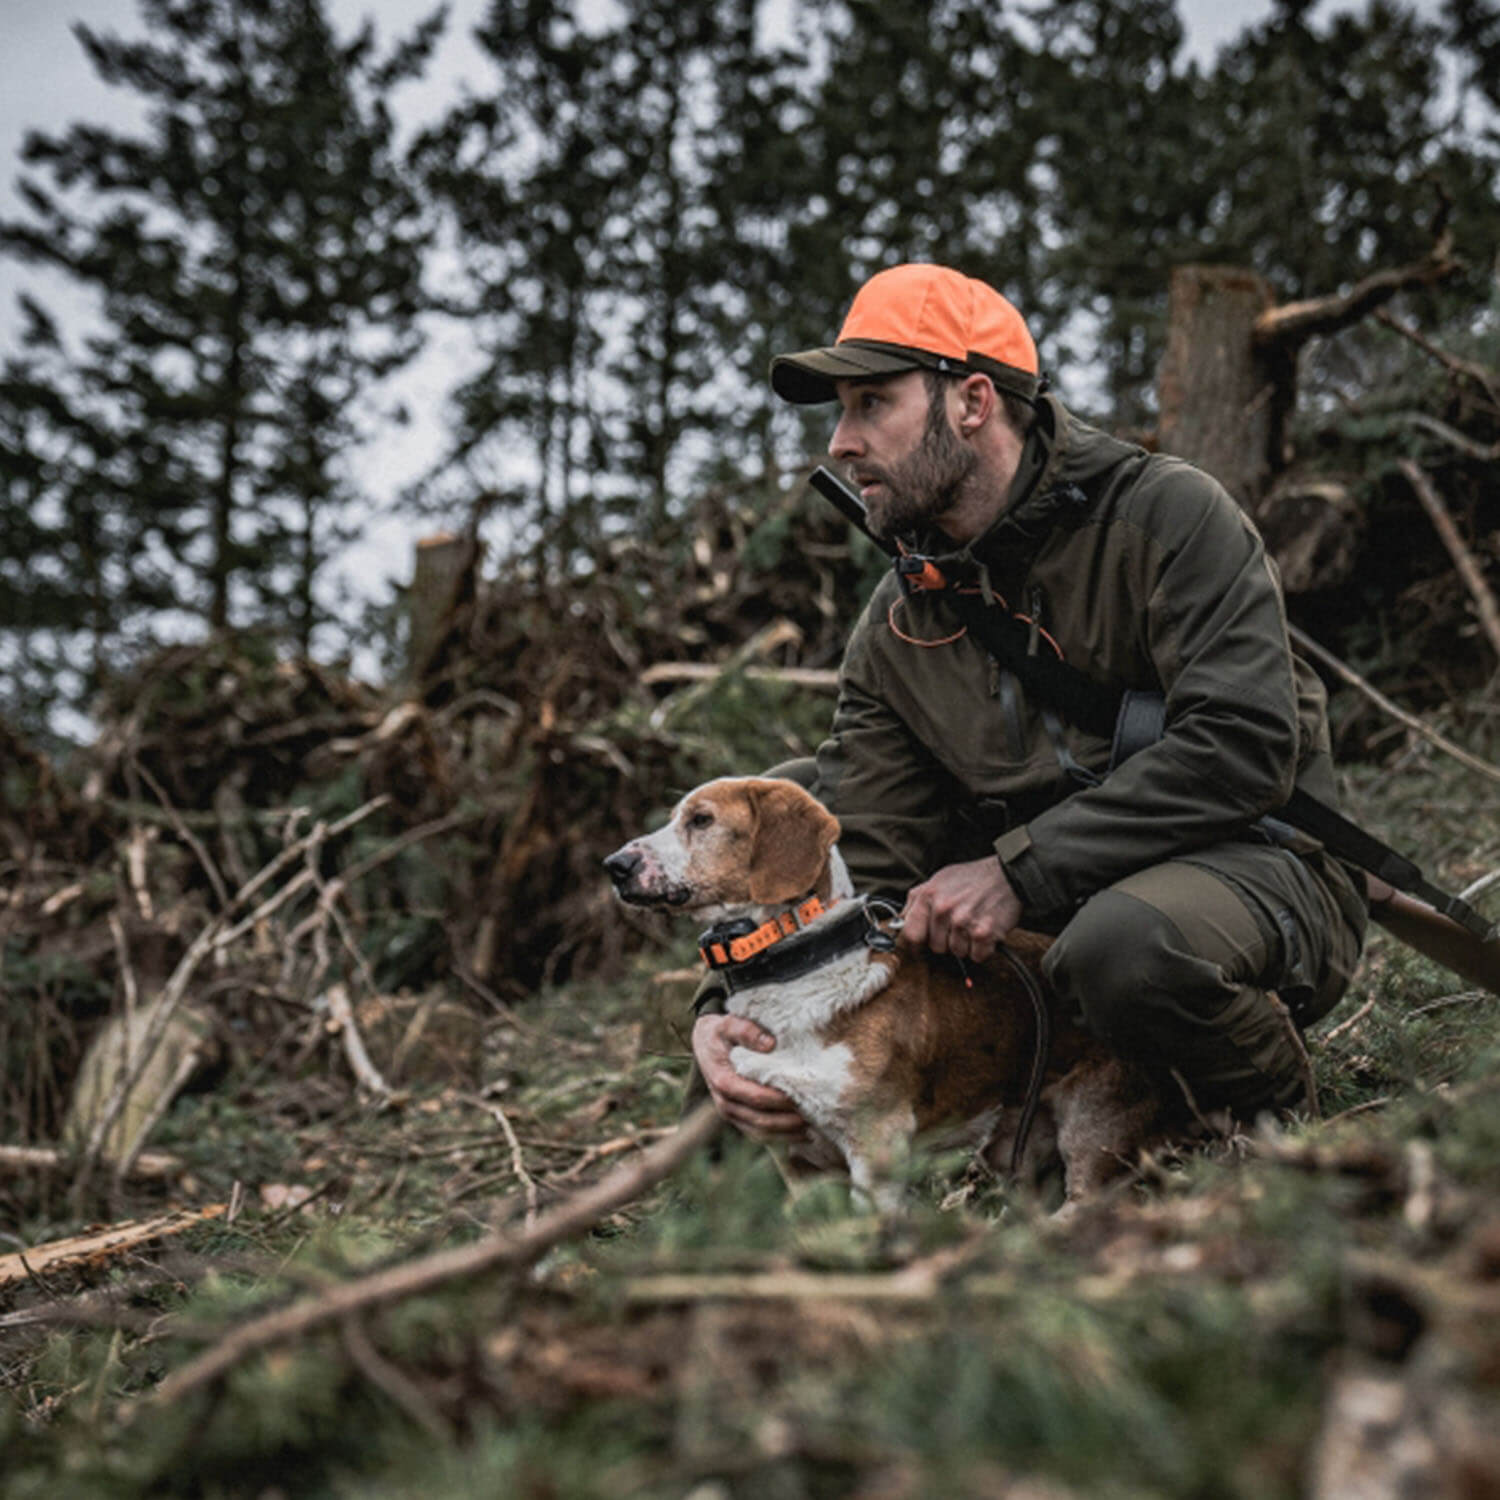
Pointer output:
1100, 710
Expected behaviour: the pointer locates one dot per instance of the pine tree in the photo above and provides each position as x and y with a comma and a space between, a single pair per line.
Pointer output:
256, 254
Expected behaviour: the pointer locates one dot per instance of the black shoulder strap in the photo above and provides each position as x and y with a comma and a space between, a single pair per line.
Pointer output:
1132, 720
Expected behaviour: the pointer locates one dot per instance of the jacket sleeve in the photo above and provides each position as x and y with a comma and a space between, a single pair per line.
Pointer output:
892, 798
1215, 631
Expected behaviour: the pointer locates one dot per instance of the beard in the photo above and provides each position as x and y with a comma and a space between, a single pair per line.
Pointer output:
927, 482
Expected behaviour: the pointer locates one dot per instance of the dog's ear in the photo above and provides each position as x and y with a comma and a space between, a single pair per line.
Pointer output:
793, 834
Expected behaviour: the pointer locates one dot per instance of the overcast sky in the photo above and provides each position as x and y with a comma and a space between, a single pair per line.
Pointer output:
46, 83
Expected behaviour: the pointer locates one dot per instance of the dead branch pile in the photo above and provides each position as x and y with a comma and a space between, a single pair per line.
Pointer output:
274, 837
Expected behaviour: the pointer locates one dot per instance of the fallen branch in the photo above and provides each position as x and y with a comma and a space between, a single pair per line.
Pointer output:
102, 1244
148, 1166
1469, 570
573, 1217
1306, 643
825, 679
181, 829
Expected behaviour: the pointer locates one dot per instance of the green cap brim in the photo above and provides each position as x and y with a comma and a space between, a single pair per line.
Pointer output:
808, 378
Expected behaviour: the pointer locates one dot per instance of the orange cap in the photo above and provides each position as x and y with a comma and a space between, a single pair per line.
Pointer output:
917, 317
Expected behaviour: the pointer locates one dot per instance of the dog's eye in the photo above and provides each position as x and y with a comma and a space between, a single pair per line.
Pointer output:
700, 820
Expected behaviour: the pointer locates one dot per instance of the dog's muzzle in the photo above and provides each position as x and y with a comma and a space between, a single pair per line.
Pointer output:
622, 864
625, 868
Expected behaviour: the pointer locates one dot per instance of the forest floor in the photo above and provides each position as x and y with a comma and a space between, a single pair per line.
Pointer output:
1312, 1309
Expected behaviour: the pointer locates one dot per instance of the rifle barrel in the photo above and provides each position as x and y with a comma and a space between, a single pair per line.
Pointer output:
836, 492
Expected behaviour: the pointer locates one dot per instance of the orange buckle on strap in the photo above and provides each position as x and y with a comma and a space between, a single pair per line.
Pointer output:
918, 572
719, 953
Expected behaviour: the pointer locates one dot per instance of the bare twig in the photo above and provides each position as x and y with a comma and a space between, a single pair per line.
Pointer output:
1209, 1127
572, 1217
165, 1006
386, 1377
1359, 1109
635, 1141
183, 832
1487, 379
1469, 570
517, 1156
127, 969
1350, 1023
1305, 642
287, 856
514, 1019
388, 852
135, 868
1484, 453
1299, 1046
341, 1013
295, 851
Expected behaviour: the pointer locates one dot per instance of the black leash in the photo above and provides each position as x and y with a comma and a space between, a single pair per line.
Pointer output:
1039, 1057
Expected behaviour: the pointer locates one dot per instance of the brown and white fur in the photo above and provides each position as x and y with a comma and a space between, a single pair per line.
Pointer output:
876, 1048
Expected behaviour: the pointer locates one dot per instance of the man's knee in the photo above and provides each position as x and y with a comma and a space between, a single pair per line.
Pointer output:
1118, 960
1145, 989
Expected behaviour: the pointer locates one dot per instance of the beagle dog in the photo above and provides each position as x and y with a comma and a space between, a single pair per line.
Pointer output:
878, 1043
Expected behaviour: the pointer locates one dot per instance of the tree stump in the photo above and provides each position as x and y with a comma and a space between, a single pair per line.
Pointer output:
1223, 394
442, 580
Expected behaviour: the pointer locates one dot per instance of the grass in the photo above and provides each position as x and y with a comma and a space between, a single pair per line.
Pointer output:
1189, 1337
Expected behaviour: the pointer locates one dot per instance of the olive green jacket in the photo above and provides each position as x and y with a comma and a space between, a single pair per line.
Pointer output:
1147, 575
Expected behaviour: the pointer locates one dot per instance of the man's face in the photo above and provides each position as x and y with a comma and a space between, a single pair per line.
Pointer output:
898, 444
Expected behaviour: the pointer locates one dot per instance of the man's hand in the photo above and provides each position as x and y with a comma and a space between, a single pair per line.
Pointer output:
964, 910
761, 1113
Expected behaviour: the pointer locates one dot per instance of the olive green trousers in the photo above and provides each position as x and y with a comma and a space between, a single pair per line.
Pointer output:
1181, 967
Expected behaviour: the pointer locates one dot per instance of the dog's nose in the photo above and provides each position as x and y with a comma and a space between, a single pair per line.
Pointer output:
622, 864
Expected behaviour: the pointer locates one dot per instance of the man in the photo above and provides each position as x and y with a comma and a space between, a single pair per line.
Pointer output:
1187, 937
